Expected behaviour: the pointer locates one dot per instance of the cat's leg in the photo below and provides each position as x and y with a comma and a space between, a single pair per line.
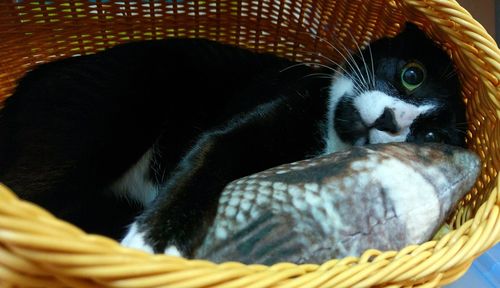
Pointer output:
177, 220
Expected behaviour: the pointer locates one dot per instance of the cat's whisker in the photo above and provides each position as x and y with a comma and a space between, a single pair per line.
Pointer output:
318, 75
318, 54
337, 65
450, 75
370, 80
448, 72
356, 73
460, 131
306, 64
358, 88
373, 66
359, 73
445, 71
353, 65
356, 83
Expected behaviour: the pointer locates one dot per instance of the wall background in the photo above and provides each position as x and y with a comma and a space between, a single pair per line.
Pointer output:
484, 11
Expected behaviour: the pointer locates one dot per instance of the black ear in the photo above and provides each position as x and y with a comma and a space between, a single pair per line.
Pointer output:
412, 30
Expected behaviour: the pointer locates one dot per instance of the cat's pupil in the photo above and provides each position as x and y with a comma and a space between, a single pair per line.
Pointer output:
413, 75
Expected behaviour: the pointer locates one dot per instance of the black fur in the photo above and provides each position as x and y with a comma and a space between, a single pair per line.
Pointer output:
215, 112
74, 126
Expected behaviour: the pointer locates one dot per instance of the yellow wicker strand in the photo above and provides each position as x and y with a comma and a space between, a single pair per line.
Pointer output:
435, 262
453, 249
48, 243
451, 236
26, 226
372, 268
272, 279
496, 233
483, 212
388, 255
327, 276
309, 280
471, 247
224, 275
455, 273
284, 266
402, 272
79, 260
431, 283
171, 279
453, 256
9, 260
318, 277
453, 11
426, 246
329, 265
121, 270
344, 275
489, 236
252, 278
406, 251
76, 282
384, 274
20, 280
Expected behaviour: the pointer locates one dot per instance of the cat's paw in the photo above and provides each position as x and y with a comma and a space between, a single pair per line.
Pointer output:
137, 239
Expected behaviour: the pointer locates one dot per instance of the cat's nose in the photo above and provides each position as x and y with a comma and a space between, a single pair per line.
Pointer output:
387, 122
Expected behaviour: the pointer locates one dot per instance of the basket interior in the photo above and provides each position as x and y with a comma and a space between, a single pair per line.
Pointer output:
33, 32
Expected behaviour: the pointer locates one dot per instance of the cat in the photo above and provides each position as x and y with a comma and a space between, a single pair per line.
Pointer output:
160, 127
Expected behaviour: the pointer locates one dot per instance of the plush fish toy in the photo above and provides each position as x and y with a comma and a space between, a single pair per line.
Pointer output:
383, 196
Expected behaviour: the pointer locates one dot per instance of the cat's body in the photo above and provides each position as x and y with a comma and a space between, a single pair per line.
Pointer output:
182, 118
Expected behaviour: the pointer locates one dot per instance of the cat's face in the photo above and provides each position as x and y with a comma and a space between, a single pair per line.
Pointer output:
409, 93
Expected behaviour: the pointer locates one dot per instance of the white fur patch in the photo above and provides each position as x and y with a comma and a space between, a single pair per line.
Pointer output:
371, 105
172, 251
340, 87
135, 239
135, 184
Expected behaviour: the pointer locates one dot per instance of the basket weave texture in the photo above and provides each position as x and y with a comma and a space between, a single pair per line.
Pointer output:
38, 250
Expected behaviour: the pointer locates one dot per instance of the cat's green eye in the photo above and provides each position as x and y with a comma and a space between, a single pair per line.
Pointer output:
412, 75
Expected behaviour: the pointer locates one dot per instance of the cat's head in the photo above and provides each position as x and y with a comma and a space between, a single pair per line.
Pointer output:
399, 89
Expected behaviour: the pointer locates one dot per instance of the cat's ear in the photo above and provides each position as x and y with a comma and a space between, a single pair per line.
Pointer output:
412, 34
412, 31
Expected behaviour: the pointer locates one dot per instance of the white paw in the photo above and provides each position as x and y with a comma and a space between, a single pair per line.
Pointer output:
135, 239
173, 251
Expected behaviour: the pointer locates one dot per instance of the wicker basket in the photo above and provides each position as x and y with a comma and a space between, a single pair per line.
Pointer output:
38, 250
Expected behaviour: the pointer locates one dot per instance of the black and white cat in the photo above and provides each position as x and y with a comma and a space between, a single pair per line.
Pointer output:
169, 123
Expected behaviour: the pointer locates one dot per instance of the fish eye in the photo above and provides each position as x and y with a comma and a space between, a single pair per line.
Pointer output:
412, 75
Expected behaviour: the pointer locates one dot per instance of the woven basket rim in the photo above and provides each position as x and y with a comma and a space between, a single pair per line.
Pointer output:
27, 249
